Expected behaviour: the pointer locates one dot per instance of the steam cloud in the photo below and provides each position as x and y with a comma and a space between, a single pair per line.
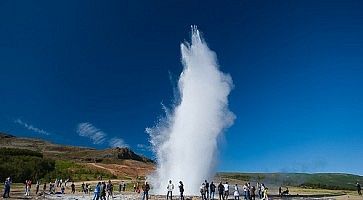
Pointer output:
186, 140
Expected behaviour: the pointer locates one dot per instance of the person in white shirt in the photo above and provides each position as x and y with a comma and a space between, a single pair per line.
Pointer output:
226, 190
170, 190
236, 192
245, 192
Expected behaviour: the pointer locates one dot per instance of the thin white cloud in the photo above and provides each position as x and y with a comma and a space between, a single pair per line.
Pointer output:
97, 136
86, 129
31, 127
143, 147
117, 142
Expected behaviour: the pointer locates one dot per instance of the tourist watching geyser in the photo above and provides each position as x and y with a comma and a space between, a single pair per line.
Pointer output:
170, 190
181, 190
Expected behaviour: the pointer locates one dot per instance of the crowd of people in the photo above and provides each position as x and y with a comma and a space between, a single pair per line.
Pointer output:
208, 191
102, 190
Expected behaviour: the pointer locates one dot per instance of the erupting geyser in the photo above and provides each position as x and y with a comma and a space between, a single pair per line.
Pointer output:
186, 140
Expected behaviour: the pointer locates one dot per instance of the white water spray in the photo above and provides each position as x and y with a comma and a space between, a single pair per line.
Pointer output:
186, 140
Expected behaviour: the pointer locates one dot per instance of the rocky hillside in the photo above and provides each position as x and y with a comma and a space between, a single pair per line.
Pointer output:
120, 162
82, 154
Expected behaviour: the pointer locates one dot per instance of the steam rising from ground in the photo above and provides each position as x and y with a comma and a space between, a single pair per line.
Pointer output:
186, 140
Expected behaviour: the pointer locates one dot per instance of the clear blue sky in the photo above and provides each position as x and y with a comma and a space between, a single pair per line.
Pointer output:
297, 67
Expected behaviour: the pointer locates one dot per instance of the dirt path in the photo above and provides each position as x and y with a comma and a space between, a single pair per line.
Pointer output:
129, 169
112, 171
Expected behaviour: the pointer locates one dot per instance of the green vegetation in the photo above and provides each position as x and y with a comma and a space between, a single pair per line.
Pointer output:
76, 172
23, 164
332, 181
314, 181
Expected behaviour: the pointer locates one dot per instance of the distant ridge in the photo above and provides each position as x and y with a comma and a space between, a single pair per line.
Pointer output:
4, 135
80, 154
336, 181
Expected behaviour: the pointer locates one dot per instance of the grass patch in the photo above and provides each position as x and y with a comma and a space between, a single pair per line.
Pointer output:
71, 170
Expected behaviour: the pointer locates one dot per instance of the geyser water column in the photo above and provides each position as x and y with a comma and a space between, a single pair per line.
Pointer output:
186, 140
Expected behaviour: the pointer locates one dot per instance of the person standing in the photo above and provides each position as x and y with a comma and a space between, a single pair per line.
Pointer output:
73, 187
37, 187
97, 191
181, 190
83, 189
203, 191
109, 189
236, 192
221, 191
103, 191
170, 189
7, 188
44, 187
212, 188
226, 191
253, 193
124, 187
245, 194
262, 190
206, 189
359, 189
28, 184
259, 190
88, 188
63, 189
25, 188
265, 196
146, 188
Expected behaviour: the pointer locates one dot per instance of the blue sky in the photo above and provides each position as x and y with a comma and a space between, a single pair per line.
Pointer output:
80, 72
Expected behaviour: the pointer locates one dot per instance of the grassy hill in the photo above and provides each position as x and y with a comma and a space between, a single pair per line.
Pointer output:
32, 158
23, 158
79, 154
305, 180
